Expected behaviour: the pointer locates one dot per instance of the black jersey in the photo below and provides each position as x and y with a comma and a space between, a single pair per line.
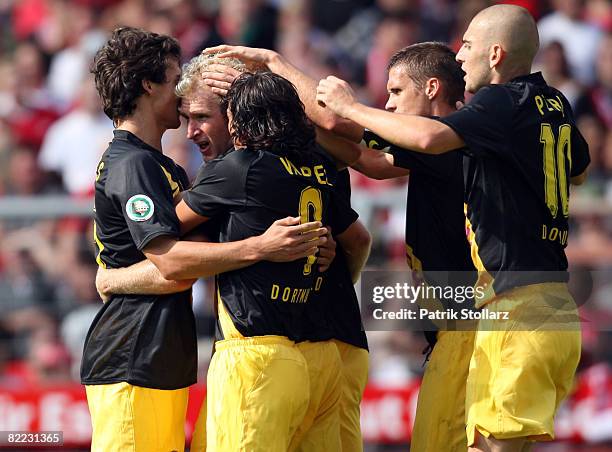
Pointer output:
435, 222
436, 241
522, 146
250, 190
145, 340
334, 312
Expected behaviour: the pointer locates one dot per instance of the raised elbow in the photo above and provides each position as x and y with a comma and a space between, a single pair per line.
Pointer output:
428, 142
435, 140
329, 122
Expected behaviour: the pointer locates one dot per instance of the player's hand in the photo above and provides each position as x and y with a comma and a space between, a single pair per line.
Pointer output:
327, 252
336, 94
102, 284
220, 77
253, 57
287, 240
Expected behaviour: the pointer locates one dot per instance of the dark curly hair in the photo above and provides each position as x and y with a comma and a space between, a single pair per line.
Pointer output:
130, 56
267, 114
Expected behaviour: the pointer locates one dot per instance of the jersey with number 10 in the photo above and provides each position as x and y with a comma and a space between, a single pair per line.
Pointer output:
523, 147
247, 191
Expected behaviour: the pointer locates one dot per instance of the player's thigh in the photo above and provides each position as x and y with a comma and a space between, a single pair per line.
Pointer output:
500, 445
132, 418
257, 396
355, 364
320, 429
440, 415
515, 366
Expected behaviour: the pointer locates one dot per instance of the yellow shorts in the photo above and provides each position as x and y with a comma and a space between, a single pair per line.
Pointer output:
320, 429
258, 392
440, 416
128, 418
519, 374
354, 380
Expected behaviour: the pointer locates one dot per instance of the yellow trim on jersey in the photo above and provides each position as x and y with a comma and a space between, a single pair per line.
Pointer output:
471, 236
99, 260
99, 170
228, 329
485, 279
174, 186
413, 262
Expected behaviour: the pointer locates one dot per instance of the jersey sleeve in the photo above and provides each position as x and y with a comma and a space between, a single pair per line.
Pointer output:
341, 214
483, 124
436, 165
138, 185
579, 153
219, 187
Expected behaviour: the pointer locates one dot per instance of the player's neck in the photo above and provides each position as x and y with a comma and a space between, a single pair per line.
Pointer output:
507, 75
146, 130
441, 109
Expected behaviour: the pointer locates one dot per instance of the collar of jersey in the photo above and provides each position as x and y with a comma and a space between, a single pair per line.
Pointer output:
535, 77
132, 139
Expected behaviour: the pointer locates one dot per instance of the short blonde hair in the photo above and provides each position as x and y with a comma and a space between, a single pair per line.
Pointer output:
191, 78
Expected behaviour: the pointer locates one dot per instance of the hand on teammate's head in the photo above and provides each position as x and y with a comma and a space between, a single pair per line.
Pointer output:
335, 94
220, 77
254, 58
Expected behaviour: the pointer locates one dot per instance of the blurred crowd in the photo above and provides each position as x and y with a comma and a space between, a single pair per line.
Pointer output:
52, 133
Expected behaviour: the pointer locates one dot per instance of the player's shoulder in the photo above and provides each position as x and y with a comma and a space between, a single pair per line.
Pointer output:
322, 156
120, 153
524, 87
234, 159
233, 165
495, 93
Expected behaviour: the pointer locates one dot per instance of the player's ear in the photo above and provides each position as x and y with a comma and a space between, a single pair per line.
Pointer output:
432, 88
147, 86
496, 55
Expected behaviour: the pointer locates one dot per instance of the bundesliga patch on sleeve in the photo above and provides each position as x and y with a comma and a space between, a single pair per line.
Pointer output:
139, 208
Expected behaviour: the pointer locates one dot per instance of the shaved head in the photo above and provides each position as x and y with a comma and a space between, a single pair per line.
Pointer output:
513, 28
499, 44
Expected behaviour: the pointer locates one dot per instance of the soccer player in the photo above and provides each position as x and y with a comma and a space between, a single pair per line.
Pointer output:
337, 298
207, 127
338, 302
425, 80
140, 352
523, 150
258, 381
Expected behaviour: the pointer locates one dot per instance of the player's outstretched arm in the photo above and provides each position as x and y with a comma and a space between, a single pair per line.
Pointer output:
406, 131
141, 278
345, 152
356, 243
305, 85
286, 240
378, 165
370, 162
